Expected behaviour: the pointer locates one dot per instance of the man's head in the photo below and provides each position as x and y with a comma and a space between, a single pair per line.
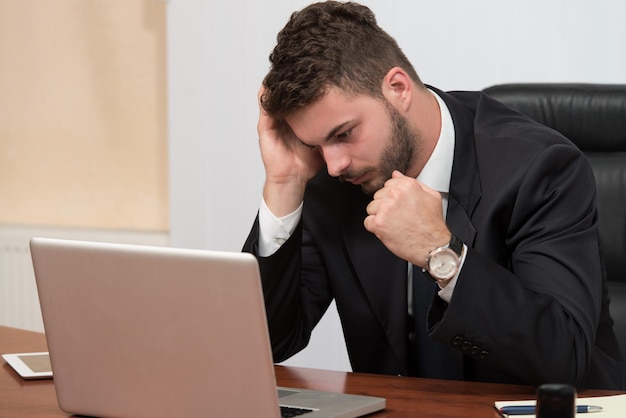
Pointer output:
363, 139
329, 44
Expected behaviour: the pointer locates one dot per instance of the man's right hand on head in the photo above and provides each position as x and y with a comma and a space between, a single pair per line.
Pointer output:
289, 164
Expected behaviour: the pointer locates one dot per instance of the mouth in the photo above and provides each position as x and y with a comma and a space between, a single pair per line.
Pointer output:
355, 180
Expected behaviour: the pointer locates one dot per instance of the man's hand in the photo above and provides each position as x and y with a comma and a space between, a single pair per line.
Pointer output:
407, 216
289, 164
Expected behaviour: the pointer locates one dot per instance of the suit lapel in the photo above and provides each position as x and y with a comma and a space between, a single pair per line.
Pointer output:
459, 222
465, 190
384, 279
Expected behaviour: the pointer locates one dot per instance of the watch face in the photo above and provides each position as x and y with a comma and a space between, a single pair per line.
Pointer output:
443, 264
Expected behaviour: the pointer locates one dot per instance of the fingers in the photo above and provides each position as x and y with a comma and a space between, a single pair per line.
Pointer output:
397, 178
400, 193
375, 209
396, 174
384, 192
367, 223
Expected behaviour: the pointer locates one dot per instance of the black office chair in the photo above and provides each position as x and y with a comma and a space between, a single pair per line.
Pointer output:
593, 116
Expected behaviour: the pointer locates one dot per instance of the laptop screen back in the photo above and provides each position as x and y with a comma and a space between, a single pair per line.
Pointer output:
154, 332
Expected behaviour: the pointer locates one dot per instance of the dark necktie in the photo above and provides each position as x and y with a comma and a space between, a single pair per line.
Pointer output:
429, 357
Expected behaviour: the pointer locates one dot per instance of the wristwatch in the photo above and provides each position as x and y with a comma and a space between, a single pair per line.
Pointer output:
444, 262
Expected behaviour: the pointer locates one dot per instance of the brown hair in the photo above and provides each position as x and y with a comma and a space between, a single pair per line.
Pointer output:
329, 44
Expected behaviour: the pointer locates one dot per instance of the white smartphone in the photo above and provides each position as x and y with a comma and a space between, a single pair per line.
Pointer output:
30, 365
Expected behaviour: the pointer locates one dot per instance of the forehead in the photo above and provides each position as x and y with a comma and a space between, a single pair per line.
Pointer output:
315, 122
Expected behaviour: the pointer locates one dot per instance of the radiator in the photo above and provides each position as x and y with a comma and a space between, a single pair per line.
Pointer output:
19, 304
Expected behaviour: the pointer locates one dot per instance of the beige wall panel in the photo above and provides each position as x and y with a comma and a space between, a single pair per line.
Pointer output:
83, 113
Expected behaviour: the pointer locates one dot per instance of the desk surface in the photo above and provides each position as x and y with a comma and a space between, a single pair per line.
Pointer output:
406, 397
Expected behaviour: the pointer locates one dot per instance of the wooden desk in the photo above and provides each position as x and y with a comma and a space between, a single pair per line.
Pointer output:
406, 397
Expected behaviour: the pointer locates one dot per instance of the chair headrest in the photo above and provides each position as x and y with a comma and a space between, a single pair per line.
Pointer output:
593, 116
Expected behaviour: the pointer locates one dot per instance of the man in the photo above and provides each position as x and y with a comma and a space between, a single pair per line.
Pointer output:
458, 238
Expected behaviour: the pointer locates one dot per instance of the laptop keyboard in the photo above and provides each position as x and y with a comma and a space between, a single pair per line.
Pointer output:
289, 411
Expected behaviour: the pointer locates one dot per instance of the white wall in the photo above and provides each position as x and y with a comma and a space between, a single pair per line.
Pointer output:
217, 57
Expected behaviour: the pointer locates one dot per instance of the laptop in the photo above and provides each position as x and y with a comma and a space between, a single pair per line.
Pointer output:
138, 331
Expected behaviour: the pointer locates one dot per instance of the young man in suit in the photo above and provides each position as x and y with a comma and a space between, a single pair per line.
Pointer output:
458, 238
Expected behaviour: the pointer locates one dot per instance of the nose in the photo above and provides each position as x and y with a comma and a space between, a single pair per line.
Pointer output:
336, 160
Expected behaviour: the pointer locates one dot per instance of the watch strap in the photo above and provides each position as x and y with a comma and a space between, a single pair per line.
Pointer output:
456, 245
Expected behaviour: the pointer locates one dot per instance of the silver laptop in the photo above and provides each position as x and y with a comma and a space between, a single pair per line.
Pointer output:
137, 331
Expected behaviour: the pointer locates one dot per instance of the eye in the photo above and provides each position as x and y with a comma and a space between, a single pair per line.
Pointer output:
344, 135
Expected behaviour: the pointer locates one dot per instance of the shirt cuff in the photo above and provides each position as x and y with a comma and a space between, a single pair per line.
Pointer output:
273, 231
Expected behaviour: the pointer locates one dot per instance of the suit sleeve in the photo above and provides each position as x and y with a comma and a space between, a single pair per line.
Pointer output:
293, 304
535, 314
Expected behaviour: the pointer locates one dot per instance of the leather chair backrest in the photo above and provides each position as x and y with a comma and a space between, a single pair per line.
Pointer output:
593, 116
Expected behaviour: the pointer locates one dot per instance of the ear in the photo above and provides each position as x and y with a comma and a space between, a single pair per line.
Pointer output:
398, 88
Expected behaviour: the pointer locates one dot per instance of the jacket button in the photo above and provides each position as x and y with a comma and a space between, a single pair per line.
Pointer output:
457, 341
466, 346
483, 354
475, 350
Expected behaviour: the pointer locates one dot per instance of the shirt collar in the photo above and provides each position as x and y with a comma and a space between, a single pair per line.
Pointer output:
437, 172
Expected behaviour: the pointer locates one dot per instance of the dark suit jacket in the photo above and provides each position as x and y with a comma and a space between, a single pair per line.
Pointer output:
530, 305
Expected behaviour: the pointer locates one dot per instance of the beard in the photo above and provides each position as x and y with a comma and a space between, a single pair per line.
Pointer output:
397, 154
